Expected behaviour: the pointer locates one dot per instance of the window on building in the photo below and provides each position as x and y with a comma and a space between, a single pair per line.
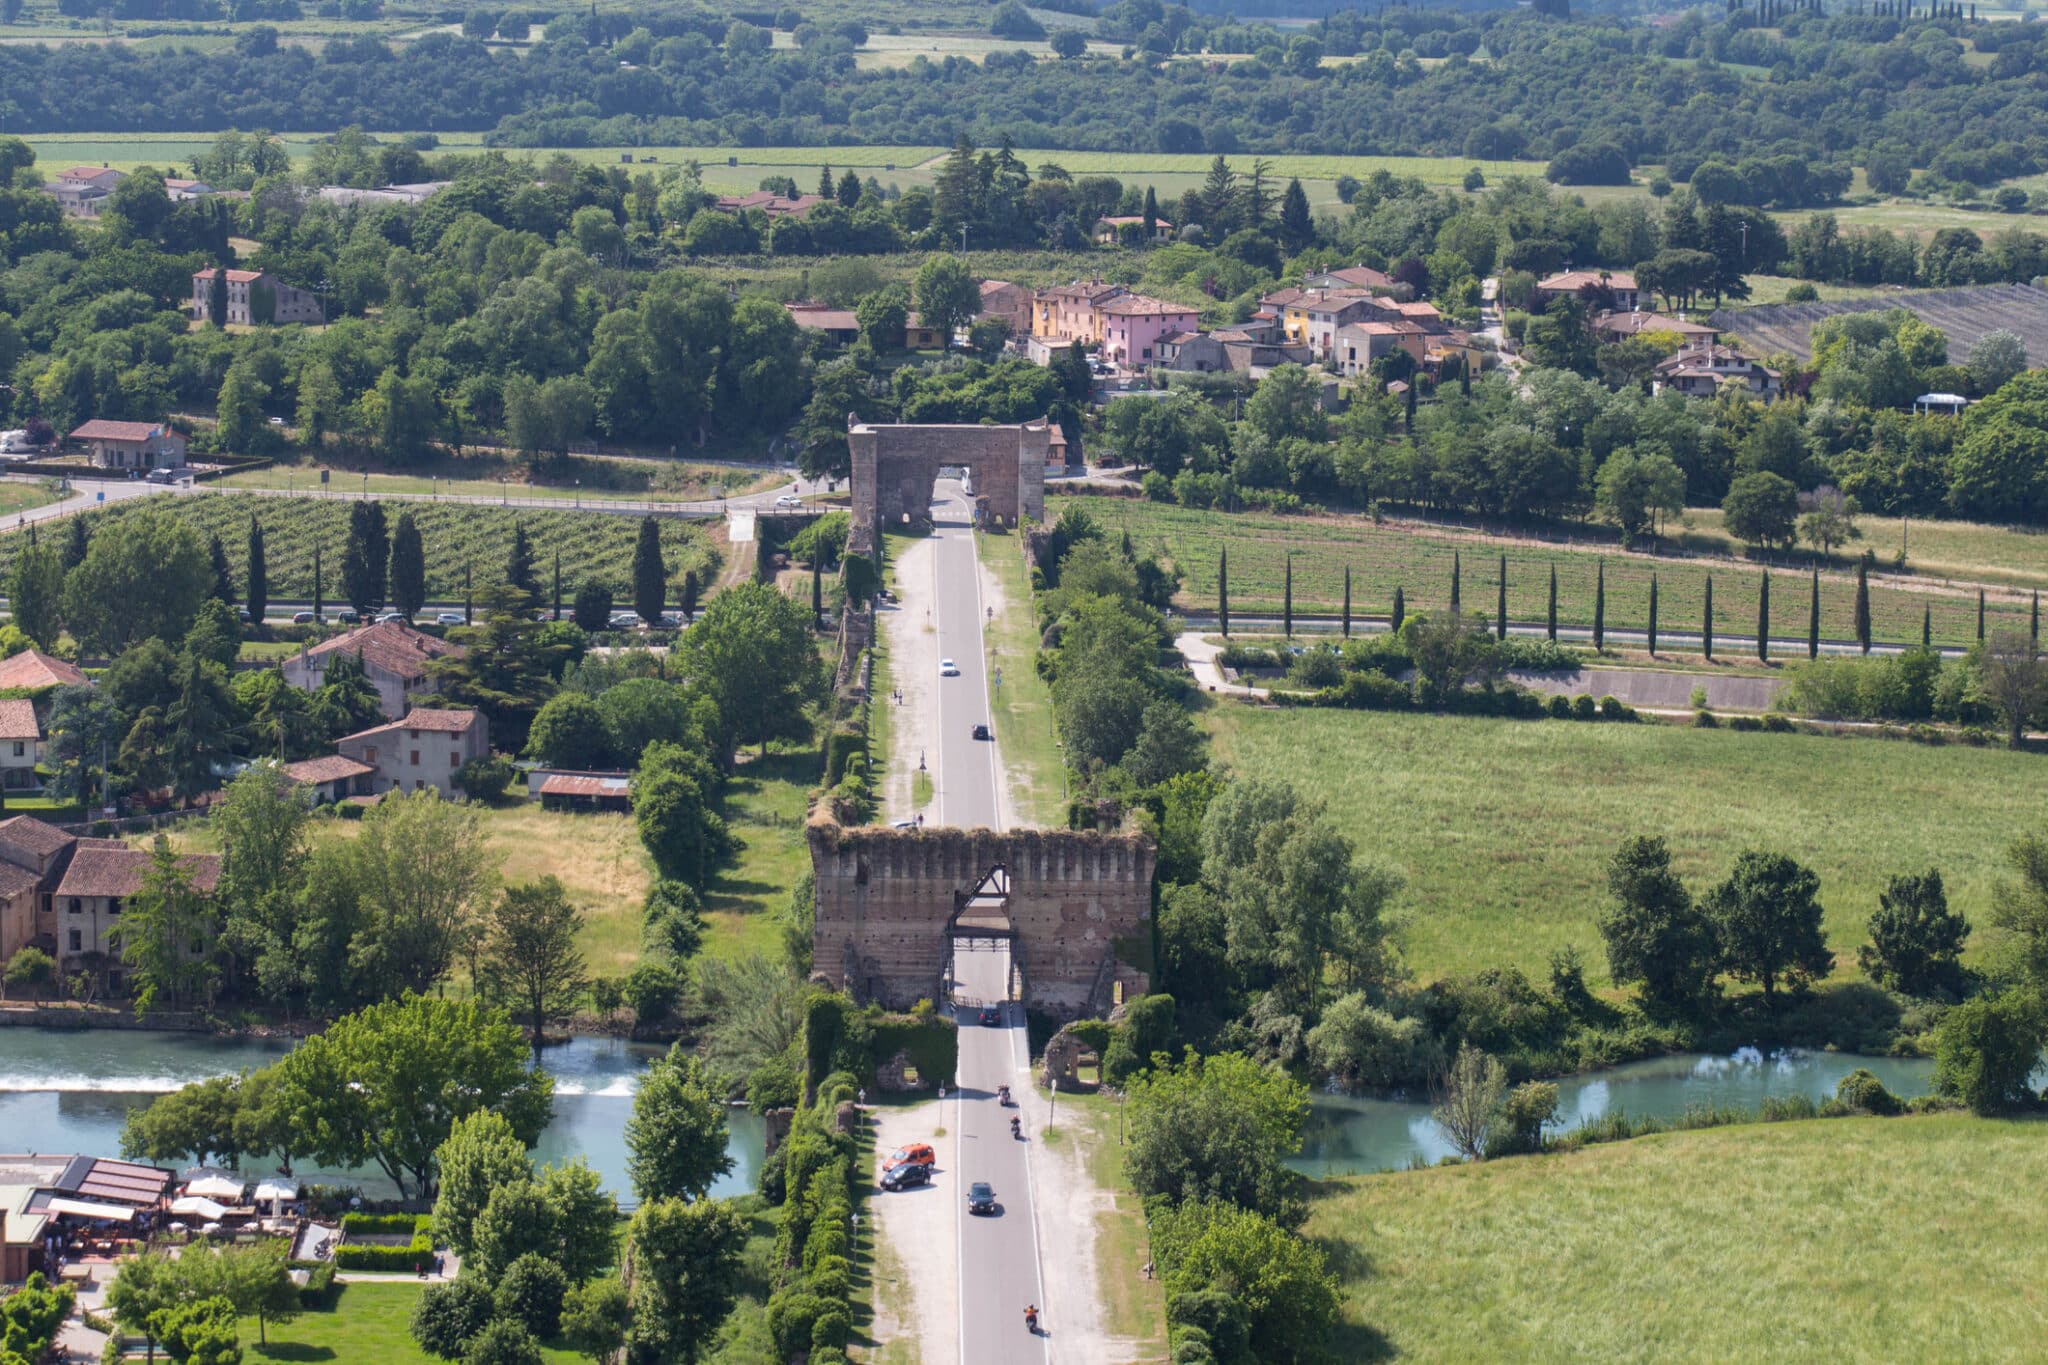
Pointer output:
415, 758
77, 940
419, 784
76, 906
113, 905
455, 759
20, 749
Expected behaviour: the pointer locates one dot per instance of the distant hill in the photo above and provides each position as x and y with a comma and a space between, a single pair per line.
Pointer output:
1962, 315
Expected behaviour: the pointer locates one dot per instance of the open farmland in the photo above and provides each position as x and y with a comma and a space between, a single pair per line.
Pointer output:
1963, 315
1838, 1239
1382, 557
457, 536
1969, 550
1504, 828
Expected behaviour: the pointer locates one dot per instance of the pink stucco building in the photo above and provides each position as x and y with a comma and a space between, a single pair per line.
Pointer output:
1133, 326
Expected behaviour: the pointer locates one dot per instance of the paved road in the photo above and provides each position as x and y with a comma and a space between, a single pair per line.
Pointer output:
999, 1255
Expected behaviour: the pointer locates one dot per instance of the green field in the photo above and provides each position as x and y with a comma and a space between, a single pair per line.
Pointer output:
457, 536
369, 1322
1970, 551
1418, 560
1033, 767
18, 495
1504, 828
764, 807
1837, 1239
633, 480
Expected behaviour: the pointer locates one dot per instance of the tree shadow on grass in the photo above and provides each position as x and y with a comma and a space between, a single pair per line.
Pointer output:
290, 1350
1352, 1264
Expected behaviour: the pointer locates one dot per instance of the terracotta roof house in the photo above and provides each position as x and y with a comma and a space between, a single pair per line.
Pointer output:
1133, 324
1700, 371
1067, 313
255, 297
425, 749
840, 324
64, 894
1616, 325
99, 177
395, 658
332, 778
1109, 231
32, 669
1614, 288
770, 203
21, 742
1010, 302
131, 445
1350, 277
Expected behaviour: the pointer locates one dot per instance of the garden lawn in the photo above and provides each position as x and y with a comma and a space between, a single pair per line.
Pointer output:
370, 1324
1835, 1239
1504, 828
1419, 560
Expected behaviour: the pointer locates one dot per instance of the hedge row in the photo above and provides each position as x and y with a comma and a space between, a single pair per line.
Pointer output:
386, 1224
368, 1256
840, 1036
810, 1311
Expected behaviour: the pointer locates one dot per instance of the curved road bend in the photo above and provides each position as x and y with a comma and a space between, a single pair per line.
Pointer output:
999, 1255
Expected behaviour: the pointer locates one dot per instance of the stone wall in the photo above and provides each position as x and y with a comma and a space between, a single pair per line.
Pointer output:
1080, 903
896, 466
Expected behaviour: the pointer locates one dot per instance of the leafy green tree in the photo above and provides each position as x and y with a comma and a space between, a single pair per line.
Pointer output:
1986, 1049
752, 653
570, 732
1655, 935
199, 1331
650, 574
1634, 488
145, 574
420, 871
1761, 509
447, 1317
686, 1258
194, 1123
2013, 678
387, 1083
592, 611
673, 796
408, 571
1277, 1286
947, 295
365, 561
530, 1293
595, 1319
35, 593
1468, 1101
480, 1154
30, 968
516, 1221
167, 932
2019, 912
1767, 915
1916, 941
530, 957
511, 665
1218, 1127
676, 1139
584, 1218
261, 823
83, 726
640, 711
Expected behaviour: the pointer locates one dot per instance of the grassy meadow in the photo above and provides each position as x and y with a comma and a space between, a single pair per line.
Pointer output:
1419, 559
1837, 1239
1033, 767
370, 1321
1504, 828
1970, 551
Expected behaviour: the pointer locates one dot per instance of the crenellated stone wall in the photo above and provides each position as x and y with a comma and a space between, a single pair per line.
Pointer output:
895, 468
1080, 904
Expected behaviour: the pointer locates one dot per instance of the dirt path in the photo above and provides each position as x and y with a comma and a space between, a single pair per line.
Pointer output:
913, 645
916, 1309
1071, 1210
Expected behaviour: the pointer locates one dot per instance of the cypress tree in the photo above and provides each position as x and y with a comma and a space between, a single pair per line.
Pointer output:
1653, 615
75, 544
1347, 601
408, 567
1926, 627
217, 297
1400, 611
1223, 591
519, 562
1550, 616
1455, 573
1500, 630
259, 574
650, 575
686, 595
468, 597
1863, 606
817, 592
316, 581
558, 585
1707, 622
2034, 619
223, 576
1813, 620
365, 559
1287, 601
1763, 620
1600, 610
1980, 615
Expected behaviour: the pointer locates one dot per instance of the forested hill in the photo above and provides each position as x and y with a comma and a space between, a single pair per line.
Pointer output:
1846, 88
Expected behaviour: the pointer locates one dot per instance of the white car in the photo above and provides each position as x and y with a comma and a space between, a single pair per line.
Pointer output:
948, 669
449, 618
789, 500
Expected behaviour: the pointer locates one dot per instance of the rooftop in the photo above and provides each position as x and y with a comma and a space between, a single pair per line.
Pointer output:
18, 719
330, 768
449, 721
585, 784
392, 646
32, 668
97, 870
104, 429
1571, 281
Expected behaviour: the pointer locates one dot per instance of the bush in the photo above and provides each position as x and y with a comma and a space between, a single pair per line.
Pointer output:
1865, 1093
1371, 692
503, 1342
364, 1256
1704, 719
1537, 654
1584, 707
1614, 708
1985, 1051
1745, 724
386, 1224
319, 1291
447, 1316
531, 1292
1157, 486
792, 1317
485, 779
1315, 668
1559, 707
1522, 1115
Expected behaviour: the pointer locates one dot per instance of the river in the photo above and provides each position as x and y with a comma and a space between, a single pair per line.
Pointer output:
64, 1090
1348, 1136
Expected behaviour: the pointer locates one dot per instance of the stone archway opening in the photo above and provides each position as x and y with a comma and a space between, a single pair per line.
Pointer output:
896, 469
981, 961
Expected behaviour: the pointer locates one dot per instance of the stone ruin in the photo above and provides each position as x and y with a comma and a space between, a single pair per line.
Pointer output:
896, 467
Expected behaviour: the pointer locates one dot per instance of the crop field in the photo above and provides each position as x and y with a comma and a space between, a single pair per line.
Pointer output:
457, 535
1420, 561
1504, 828
1968, 550
1839, 1239
1963, 315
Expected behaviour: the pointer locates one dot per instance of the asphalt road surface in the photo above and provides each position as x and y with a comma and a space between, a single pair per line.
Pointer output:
999, 1253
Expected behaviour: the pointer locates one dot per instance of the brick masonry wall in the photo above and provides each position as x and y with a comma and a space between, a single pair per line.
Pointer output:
896, 466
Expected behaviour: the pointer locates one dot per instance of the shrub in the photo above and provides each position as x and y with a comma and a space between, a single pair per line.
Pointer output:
447, 1316
485, 779
792, 1317
1559, 707
1777, 724
318, 1292
503, 1342
365, 1256
1157, 486
531, 1292
1704, 719
1584, 708
1371, 692
1985, 1051
1865, 1093
1614, 708
1315, 668
1522, 1115
1746, 724
1537, 654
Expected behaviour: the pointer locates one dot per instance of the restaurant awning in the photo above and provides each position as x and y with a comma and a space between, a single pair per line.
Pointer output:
271, 1190
81, 1208
195, 1204
216, 1187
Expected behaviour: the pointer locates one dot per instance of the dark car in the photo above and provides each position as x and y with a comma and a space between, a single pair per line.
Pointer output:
981, 1197
906, 1174
991, 1017
981, 732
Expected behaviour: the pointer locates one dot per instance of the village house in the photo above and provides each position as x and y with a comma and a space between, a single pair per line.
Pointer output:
582, 791
842, 326
1194, 352
1110, 231
770, 203
32, 670
1606, 289
1132, 326
63, 894
394, 656
255, 297
21, 743
77, 198
331, 778
1350, 277
425, 749
134, 446
1358, 344
1700, 371
1619, 326
1010, 302
1327, 313
98, 177
182, 190
1069, 313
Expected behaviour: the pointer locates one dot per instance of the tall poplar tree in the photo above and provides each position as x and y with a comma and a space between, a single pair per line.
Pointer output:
1347, 601
1287, 600
1926, 627
1500, 605
650, 575
1550, 615
1456, 573
1813, 620
1863, 607
1980, 614
1763, 620
1653, 615
259, 573
1600, 608
1223, 591
1400, 611
408, 567
1707, 621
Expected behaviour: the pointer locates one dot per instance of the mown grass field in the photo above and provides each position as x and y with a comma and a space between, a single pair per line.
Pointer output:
457, 537
18, 495
369, 1322
1504, 828
1419, 561
1970, 551
1836, 1239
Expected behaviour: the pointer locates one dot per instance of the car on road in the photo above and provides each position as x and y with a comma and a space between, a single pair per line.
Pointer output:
789, 500
623, 620
348, 617
948, 669
303, 618
912, 1154
393, 618
991, 1017
159, 476
909, 1174
448, 618
981, 732
981, 1197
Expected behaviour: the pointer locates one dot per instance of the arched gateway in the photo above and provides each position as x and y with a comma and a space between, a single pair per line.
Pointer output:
895, 468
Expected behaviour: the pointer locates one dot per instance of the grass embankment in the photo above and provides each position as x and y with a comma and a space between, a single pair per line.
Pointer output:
1504, 828
1969, 550
1033, 767
764, 807
485, 477
17, 496
1843, 1239
457, 536
1134, 1307
1382, 557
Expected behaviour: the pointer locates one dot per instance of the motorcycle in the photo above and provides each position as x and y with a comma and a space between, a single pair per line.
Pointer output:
1031, 1320
1003, 1097
1016, 1128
